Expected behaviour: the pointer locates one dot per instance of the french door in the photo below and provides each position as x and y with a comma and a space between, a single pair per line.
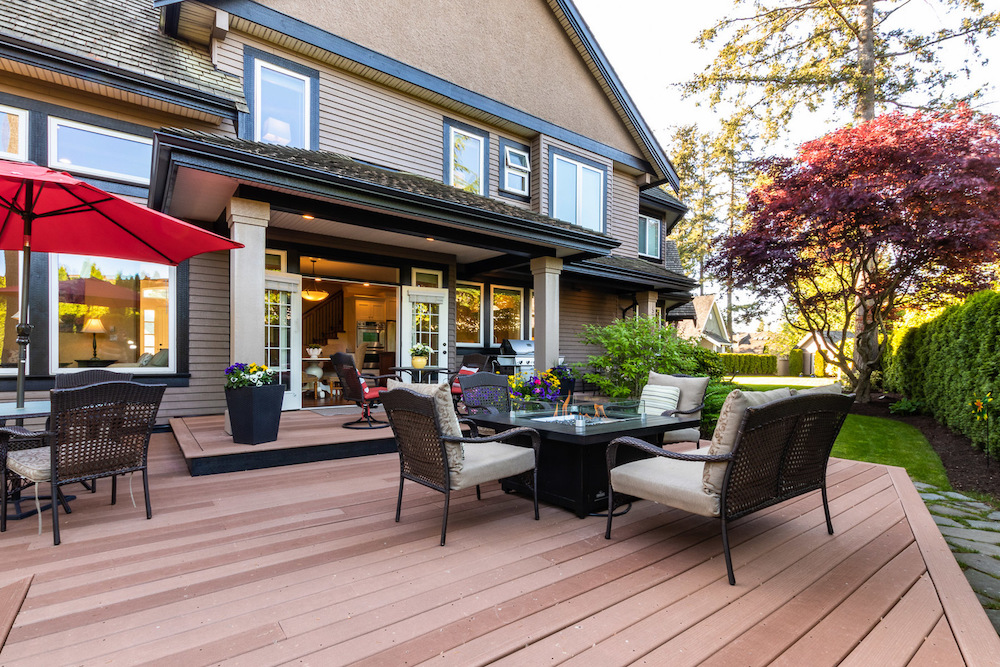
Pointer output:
283, 333
424, 319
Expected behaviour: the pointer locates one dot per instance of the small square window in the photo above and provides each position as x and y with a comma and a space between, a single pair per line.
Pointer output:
97, 151
13, 134
516, 170
649, 236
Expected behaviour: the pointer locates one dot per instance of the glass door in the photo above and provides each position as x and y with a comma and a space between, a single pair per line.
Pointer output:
424, 320
283, 334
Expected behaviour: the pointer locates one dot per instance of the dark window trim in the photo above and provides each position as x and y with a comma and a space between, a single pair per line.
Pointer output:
450, 123
560, 152
502, 163
250, 56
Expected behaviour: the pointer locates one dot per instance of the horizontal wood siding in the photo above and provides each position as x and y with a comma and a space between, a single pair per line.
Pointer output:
624, 221
577, 309
209, 341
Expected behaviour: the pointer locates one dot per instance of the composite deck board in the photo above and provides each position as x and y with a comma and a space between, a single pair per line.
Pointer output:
305, 563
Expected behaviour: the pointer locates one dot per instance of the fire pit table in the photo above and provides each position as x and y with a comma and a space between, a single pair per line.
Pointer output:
572, 470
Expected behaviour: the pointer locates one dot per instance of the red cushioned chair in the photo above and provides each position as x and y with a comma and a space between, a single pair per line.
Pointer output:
355, 387
471, 363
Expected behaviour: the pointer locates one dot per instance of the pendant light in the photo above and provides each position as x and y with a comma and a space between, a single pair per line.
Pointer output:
314, 294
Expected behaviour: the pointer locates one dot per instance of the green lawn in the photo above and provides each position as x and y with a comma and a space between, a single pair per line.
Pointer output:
870, 439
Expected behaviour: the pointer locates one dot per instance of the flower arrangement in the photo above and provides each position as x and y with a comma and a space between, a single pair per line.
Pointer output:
565, 376
420, 350
537, 387
249, 375
981, 407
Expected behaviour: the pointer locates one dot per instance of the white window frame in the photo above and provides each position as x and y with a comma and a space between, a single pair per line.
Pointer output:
493, 289
483, 166
580, 168
258, 122
645, 235
518, 169
171, 366
415, 270
283, 257
22, 134
482, 312
56, 123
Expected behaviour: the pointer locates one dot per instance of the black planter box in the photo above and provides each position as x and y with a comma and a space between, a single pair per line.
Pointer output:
254, 413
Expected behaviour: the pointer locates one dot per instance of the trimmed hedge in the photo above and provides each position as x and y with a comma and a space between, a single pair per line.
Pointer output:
819, 365
749, 364
795, 362
947, 363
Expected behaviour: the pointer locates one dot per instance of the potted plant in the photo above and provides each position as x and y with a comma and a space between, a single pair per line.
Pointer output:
253, 400
538, 387
419, 354
314, 351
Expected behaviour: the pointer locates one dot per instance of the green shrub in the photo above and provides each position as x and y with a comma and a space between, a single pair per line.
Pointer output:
749, 364
906, 406
819, 365
636, 345
795, 362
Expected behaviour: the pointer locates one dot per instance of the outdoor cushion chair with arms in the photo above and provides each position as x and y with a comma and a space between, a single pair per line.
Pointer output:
355, 387
690, 401
763, 452
433, 452
485, 392
99, 430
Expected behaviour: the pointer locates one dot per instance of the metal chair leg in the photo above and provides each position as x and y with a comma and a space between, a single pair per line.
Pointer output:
826, 510
62, 499
145, 490
444, 520
725, 548
114, 489
479, 496
611, 511
399, 498
55, 516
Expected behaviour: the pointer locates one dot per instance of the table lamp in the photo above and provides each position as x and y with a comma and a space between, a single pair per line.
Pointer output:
94, 326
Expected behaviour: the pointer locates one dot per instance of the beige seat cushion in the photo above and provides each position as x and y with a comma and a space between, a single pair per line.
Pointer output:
34, 465
488, 461
692, 389
728, 427
656, 399
683, 435
835, 388
668, 482
441, 393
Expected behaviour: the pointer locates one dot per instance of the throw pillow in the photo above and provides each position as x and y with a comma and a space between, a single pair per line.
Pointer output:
728, 427
456, 388
835, 388
656, 399
446, 417
692, 389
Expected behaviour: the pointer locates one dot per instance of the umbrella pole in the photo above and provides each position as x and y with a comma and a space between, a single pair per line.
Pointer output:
23, 328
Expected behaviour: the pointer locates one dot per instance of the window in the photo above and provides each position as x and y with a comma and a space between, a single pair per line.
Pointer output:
465, 162
426, 278
506, 315
100, 152
281, 106
649, 236
577, 192
112, 312
515, 168
469, 314
13, 134
275, 260
10, 307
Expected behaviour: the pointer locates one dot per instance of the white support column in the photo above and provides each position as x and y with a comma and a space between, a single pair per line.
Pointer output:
545, 272
247, 221
647, 303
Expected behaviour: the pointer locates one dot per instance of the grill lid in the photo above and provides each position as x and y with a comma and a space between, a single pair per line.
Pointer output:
517, 347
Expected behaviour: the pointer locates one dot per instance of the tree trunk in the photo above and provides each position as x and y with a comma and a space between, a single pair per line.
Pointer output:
867, 354
865, 107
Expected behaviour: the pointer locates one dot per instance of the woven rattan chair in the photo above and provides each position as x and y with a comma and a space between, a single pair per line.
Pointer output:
780, 451
99, 430
355, 387
433, 452
485, 392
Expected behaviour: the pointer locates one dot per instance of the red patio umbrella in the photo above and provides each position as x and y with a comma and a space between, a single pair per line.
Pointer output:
50, 211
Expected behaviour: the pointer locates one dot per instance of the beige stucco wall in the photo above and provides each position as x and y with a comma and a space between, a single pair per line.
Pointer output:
545, 76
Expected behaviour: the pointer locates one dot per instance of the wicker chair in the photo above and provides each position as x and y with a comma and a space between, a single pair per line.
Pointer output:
485, 392
355, 388
99, 430
780, 451
690, 403
433, 452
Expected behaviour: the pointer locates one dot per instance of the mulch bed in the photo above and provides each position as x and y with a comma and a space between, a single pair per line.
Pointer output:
966, 466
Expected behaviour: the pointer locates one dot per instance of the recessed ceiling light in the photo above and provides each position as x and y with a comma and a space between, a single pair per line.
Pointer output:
307, 216
429, 238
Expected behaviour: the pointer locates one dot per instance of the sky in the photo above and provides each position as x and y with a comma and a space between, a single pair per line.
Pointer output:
649, 44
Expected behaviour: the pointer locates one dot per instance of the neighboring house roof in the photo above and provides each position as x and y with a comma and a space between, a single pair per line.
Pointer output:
116, 44
707, 323
830, 340
755, 342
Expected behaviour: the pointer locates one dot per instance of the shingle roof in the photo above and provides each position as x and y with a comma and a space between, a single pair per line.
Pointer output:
119, 33
639, 265
342, 165
660, 194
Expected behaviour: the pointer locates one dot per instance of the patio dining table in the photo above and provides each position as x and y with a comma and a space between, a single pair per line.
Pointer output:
30, 409
572, 468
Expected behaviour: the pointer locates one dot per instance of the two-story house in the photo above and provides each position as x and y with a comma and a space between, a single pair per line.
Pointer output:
393, 177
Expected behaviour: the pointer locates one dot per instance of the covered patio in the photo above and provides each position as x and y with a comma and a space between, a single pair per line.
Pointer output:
304, 563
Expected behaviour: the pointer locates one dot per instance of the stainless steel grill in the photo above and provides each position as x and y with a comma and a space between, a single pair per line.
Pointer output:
516, 356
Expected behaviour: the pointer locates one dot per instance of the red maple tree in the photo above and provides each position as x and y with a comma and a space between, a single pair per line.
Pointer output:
901, 211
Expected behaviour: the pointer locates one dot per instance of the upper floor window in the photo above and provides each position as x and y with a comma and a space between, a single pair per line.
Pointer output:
97, 151
13, 134
281, 106
577, 191
465, 160
515, 169
649, 236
